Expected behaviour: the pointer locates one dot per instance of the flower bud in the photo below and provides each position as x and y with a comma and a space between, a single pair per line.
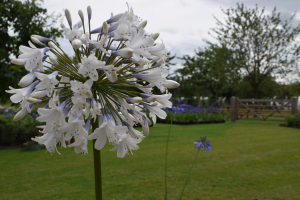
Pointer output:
76, 43
124, 53
155, 36
80, 13
142, 24
41, 38
23, 112
170, 84
114, 18
62, 25
150, 99
20, 114
89, 11
31, 44
134, 99
105, 28
68, 16
79, 24
51, 44
38, 94
18, 62
113, 76
36, 41
97, 30
53, 60
33, 100
27, 79
155, 104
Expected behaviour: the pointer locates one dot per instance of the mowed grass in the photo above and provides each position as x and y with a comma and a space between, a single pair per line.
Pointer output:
249, 160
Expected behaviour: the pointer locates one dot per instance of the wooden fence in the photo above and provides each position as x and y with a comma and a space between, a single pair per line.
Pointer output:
261, 109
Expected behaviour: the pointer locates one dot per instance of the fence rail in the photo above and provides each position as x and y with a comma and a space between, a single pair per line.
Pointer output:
261, 109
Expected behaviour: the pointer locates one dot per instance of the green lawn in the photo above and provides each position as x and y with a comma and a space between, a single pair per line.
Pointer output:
249, 160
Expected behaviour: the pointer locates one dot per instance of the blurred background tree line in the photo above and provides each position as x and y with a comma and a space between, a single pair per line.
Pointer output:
18, 21
250, 51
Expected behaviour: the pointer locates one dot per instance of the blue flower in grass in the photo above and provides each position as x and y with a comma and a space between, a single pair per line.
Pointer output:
202, 143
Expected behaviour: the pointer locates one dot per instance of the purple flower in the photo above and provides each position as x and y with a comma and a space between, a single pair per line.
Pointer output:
202, 143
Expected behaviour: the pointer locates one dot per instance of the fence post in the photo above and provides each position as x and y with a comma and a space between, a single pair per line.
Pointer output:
236, 110
232, 109
294, 103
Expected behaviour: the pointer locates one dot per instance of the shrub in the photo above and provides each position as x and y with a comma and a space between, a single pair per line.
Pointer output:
290, 120
17, 132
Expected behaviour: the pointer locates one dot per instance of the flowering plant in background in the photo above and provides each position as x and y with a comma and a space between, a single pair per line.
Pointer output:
179, 108
110, 88
200, 143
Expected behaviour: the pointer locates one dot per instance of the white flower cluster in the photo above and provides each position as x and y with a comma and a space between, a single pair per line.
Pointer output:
110, 87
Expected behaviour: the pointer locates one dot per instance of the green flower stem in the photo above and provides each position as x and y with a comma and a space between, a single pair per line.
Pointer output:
65, 55
89, 29
189, 175
97, 165
166, 189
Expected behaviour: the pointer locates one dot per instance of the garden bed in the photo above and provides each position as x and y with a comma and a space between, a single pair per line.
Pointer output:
185, 114
188, 123
296, 126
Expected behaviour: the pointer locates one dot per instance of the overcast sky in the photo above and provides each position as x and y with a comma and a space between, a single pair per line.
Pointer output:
182, 24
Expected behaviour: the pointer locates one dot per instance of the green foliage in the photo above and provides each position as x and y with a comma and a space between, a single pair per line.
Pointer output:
288, 90
268, 88
209, 70
23, 18
292, 120
263, 45
16, 132
194, 117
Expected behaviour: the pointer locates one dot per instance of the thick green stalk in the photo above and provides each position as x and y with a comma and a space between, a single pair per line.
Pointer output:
97, 166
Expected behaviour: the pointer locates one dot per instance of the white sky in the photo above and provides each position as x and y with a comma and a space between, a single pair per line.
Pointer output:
182, 24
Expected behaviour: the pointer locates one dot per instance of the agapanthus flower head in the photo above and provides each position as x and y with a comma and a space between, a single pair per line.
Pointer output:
112, 83
202, 143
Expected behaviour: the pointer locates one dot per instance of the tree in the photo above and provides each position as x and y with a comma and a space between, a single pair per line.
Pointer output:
211, 69
18, 21
263, 45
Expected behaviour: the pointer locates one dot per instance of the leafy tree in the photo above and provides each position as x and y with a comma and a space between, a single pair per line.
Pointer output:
211, 69
268, 88
288, 90
263, 45
169, 62
18, 21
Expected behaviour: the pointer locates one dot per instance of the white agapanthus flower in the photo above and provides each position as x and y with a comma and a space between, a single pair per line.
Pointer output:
89, 67
107, 131
81, 91
111, 86
47, 83
73, 34
32, 58
139, 44
126, 143
21, 95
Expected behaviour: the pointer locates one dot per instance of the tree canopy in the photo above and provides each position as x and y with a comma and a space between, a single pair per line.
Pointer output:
263, 45
18, 21
211, 69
